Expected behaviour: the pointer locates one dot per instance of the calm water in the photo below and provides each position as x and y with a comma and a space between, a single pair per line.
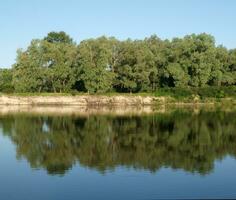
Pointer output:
178, 154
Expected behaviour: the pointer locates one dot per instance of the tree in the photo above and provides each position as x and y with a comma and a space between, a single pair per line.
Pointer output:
201, 58
58, 37
135, 67
59, 62
178, 75
28, 73
6, 80
45, 66
229, 75
95, 64
191, 60
159, 50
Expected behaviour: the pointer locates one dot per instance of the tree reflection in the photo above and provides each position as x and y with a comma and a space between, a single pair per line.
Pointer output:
180, 140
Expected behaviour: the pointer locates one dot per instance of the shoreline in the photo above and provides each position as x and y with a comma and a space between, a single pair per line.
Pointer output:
103, 100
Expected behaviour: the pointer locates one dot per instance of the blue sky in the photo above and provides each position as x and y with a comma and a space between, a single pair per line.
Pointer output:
23, 20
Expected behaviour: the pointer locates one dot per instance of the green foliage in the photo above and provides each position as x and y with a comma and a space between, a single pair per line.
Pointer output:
180, 78
58, 37
134, 67
177, 93
217, 92
6, 81
202, 92
57, 64
45, 66
95, 64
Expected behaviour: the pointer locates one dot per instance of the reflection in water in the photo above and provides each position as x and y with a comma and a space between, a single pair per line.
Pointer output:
179, 139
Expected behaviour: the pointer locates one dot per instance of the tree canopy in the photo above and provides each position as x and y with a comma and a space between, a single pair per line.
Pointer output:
57, 64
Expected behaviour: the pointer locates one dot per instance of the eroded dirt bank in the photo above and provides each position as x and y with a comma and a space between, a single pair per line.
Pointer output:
99, 100
79, 100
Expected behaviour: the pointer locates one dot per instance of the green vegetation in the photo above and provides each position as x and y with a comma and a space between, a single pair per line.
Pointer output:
182, 66
201, 93
181, 139
6, 84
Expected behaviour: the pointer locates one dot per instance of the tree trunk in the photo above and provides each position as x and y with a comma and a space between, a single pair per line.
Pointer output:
54, 89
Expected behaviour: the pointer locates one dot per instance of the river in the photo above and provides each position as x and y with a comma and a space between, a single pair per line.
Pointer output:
145, 154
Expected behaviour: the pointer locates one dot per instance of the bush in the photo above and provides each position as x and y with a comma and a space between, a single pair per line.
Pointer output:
175, 92
206, 92
6, 85
74, 92
217, 92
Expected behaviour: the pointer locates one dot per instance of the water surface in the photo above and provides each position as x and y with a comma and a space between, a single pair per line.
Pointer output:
180, 153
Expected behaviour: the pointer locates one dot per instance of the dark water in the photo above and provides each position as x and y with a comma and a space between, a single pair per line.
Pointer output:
179, 154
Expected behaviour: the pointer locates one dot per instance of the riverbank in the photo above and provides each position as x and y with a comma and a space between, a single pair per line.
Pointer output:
107, 100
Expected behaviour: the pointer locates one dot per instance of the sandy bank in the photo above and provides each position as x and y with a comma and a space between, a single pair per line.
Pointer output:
79, 100
102, 100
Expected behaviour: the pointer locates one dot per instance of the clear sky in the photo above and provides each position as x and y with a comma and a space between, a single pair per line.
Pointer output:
23, 20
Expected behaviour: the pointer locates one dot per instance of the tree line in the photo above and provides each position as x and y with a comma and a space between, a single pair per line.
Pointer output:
57, 64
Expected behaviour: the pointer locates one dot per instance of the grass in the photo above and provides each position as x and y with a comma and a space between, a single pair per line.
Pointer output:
175, 94
109, 94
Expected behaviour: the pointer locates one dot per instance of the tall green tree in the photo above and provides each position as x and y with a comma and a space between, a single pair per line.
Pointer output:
28, 73
201, 55
95, 61
45, 66
135, 67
